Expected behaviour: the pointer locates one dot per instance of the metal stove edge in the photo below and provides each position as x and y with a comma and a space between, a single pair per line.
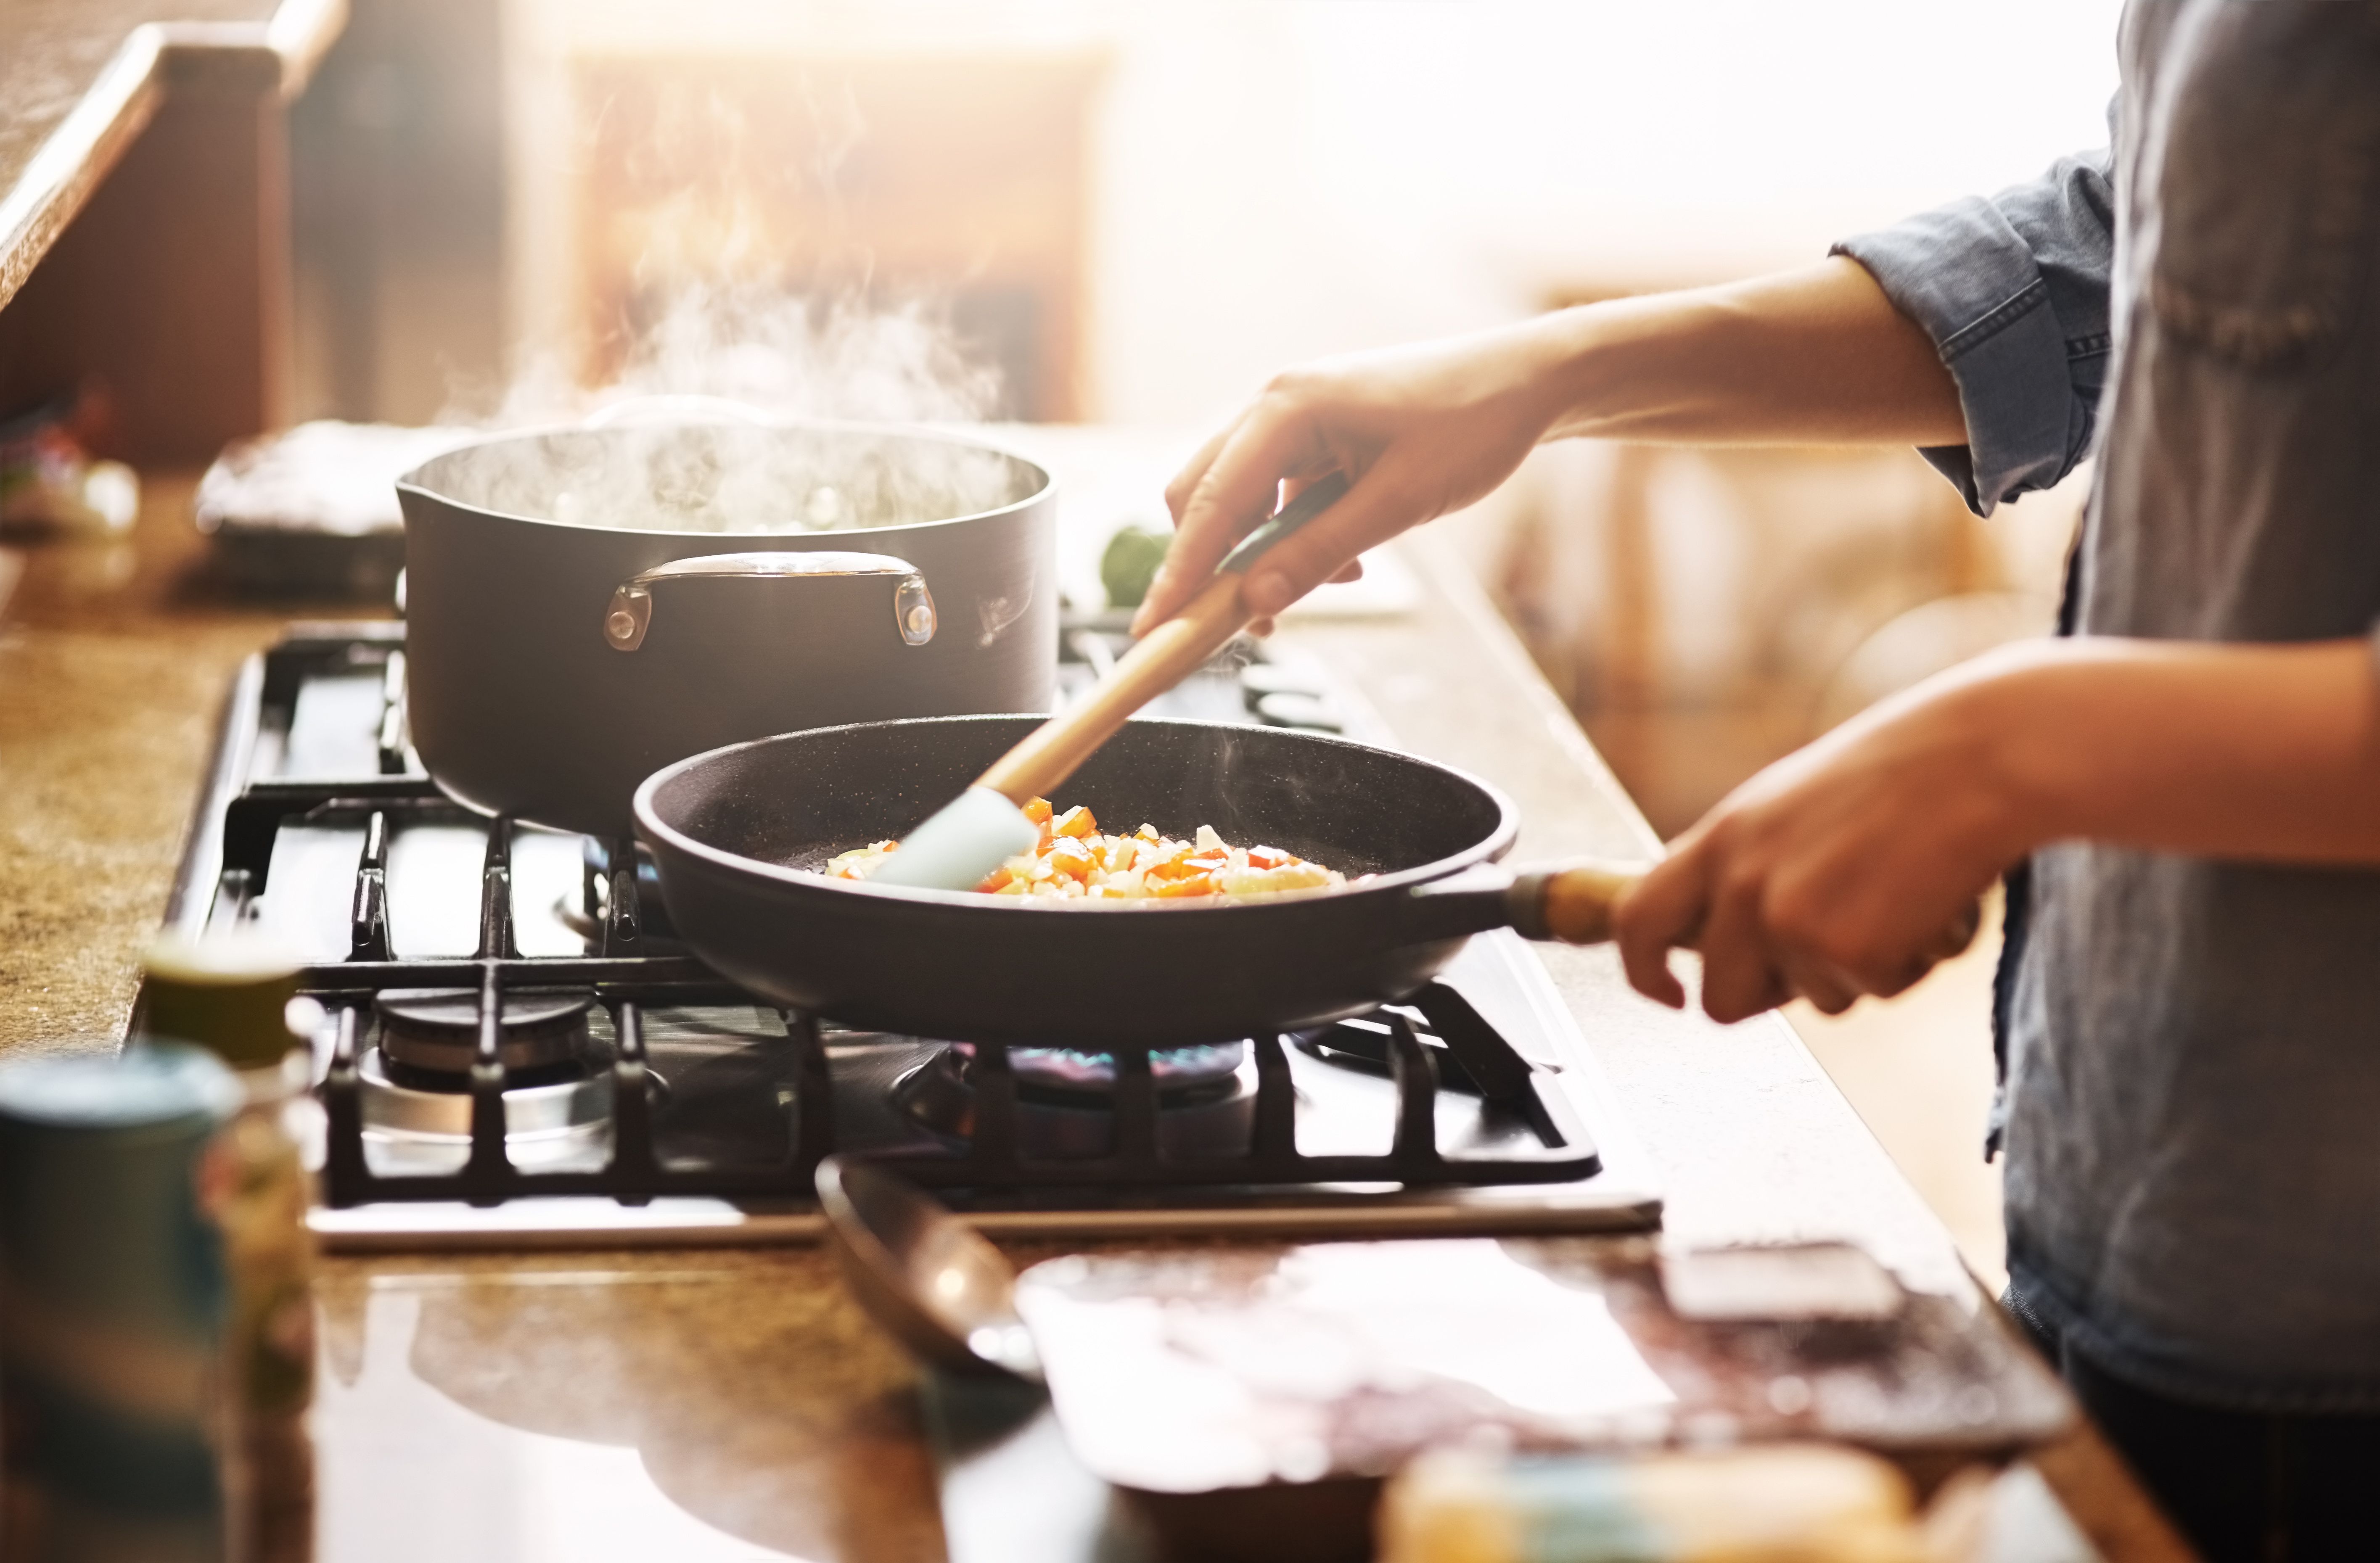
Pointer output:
1625, 1196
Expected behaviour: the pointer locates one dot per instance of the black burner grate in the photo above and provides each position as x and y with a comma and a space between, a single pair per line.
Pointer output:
230, 856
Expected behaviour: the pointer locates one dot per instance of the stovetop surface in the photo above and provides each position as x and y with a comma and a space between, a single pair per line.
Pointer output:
320, 828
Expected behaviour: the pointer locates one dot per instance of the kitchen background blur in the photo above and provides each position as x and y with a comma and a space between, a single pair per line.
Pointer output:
1132, 213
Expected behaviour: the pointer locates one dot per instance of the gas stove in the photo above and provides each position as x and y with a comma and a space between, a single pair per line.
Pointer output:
514, 1052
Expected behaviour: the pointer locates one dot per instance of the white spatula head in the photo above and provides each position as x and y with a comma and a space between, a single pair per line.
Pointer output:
975, 833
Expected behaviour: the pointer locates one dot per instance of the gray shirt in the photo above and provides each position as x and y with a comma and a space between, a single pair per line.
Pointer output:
2192, 1093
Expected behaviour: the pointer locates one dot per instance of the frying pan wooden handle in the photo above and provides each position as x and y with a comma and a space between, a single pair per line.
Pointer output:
1574, 902
1158, 661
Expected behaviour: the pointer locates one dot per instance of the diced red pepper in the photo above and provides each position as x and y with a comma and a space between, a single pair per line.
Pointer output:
1195, 884
1039, 811
1071, 858
1270, 858
1173, 868
1076, 822
997, 878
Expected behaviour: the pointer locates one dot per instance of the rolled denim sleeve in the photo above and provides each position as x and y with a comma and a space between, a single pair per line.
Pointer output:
2013, 290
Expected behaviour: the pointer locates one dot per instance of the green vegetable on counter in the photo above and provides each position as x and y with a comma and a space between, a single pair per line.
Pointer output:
1130, 565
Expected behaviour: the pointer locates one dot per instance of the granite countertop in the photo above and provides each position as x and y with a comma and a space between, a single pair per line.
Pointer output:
113, 663
78, 78
707, 1403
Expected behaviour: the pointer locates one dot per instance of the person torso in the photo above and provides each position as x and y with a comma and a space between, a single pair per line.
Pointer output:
2195, 1109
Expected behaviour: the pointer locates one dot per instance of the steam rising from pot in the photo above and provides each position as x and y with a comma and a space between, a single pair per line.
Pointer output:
735, 317
694, 434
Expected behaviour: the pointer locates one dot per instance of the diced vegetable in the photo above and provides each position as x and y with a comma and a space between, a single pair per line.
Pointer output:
1174, 865
1073, 858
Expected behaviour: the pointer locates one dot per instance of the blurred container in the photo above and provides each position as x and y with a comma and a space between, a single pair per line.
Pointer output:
50, 483
1782, 1504
232, 997
112, 1296
312, 511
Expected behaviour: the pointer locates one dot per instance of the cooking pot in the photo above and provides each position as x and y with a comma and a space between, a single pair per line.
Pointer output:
585, 606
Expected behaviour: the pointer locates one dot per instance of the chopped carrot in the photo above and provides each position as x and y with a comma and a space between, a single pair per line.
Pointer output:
1071, 857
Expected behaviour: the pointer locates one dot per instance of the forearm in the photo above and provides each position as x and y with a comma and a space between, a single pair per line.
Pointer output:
1835, 871
2267, 753
1816, 356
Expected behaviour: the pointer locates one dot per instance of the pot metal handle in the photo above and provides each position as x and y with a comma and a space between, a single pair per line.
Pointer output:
631, 611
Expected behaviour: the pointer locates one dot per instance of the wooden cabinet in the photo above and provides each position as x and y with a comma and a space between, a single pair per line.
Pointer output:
144, 224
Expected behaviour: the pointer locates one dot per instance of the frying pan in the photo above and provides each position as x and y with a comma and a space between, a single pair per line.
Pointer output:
739, 832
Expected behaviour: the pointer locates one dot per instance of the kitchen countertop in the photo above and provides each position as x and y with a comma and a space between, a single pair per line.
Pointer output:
113, 670
697, 1404
79, 80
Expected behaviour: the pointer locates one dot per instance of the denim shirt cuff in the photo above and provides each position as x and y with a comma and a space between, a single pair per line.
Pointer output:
1970, 281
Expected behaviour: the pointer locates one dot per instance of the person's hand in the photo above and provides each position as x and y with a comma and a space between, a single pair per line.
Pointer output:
1420, 431
1848, 867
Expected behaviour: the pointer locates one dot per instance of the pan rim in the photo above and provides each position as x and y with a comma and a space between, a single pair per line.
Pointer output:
411, 481
1490, 848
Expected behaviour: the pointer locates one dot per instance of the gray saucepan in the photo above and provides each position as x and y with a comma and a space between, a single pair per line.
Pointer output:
587, 605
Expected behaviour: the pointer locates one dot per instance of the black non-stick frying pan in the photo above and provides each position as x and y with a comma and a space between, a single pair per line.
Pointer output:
739, 833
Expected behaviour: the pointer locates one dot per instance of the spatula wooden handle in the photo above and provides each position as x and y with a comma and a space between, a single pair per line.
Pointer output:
1575, 902
1158, 661
1161, 659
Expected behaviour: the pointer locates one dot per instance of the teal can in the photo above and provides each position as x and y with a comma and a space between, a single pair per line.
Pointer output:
111, 1294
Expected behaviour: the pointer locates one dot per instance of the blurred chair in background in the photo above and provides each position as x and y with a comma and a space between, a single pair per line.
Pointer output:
1707, 612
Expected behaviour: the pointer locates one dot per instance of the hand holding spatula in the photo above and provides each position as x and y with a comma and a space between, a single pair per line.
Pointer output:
985, 826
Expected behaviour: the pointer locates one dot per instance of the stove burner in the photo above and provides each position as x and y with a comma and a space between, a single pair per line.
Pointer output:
559, 1123
438, 1028
1071, 1069
530, 1111
1206, 1099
